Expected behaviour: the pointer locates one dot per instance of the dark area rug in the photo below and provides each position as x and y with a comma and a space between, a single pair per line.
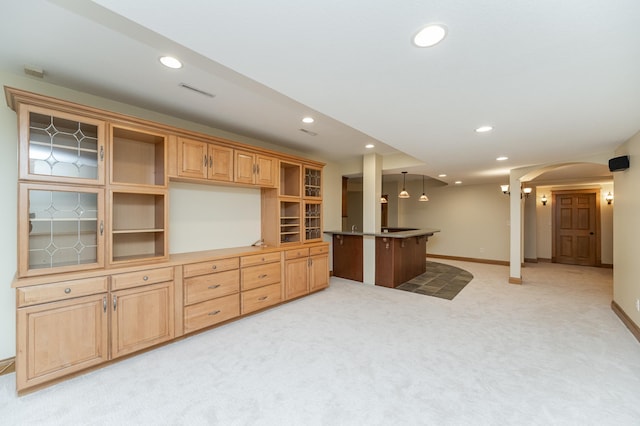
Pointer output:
440, 280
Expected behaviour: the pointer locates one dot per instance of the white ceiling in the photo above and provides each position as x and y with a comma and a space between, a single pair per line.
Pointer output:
558, 80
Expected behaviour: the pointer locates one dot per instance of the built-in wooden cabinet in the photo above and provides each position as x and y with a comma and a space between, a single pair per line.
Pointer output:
61, 228
255, 169
211, 293
306, 270
260, 281
142, 317
204, 160
60, 338
95, 278
61, 147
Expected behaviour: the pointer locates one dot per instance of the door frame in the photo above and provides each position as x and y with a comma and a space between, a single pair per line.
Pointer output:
598, 230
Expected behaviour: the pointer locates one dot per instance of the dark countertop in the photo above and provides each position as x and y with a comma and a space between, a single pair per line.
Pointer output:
407, 233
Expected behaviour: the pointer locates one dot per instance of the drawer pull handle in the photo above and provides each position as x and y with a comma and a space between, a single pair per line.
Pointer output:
263, 298
67, 290
261, 276
214, 267
145, 278
213, 287
214, 312
262, 259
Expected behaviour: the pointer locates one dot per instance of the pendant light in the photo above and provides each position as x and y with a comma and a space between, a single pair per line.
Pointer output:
423, 197
404, 193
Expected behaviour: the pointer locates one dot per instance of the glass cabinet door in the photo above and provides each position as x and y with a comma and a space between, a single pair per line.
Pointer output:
61, 229
312, 183
61, 147
312, 221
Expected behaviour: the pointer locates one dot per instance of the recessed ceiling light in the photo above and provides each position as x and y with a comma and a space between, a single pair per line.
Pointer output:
308, 120
171, 62
430, 35
484, 129
458, 182
503, 158
442, 175
369, 146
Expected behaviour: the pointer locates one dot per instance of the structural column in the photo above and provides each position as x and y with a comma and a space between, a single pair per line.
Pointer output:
371, 190
515, 222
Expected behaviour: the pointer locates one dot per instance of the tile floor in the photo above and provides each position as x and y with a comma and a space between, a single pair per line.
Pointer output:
440, 280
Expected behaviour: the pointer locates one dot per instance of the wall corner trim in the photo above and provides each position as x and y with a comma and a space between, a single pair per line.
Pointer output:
633, 327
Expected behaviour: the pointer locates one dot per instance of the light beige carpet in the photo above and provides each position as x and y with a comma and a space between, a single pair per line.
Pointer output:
550, 352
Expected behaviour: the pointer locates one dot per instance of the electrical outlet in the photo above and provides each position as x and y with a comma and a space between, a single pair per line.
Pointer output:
481, 249
638, 305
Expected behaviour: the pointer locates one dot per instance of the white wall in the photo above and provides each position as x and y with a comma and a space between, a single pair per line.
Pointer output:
626, 232
200, 216
473, 219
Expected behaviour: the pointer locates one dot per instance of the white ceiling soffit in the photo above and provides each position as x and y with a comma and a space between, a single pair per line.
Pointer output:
556, 80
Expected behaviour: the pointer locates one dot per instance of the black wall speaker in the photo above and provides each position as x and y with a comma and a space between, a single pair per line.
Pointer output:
619, 163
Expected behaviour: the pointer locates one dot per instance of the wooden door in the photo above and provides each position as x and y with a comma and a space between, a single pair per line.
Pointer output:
319, 272
265, 171
296, 277
60, 338
141, 317
576, 228
220, 163
244, 167
192, 158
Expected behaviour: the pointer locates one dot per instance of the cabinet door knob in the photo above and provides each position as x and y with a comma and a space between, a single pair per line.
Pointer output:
67, 290
145, 278
214, 267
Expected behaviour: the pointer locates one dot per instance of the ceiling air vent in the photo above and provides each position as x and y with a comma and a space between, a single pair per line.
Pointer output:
195, 89
309, 132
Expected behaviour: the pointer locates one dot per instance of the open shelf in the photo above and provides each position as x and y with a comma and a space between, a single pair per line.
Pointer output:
138, 158
289, 221
289, 179
138, 225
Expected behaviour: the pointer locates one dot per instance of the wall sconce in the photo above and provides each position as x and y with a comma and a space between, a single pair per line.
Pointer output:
383, 199
423, 197
505, 190
404, 193
609, 197
543, 200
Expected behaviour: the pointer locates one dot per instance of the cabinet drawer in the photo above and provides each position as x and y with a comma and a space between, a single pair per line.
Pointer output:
61, 291
134, 279
296, 253
260, 298
205, 287
257, 259
202, 268
211, 312
318, 250
261, 275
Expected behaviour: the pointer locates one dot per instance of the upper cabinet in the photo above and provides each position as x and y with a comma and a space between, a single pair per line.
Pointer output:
312, 182
61, 147
201, 160
255, 169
